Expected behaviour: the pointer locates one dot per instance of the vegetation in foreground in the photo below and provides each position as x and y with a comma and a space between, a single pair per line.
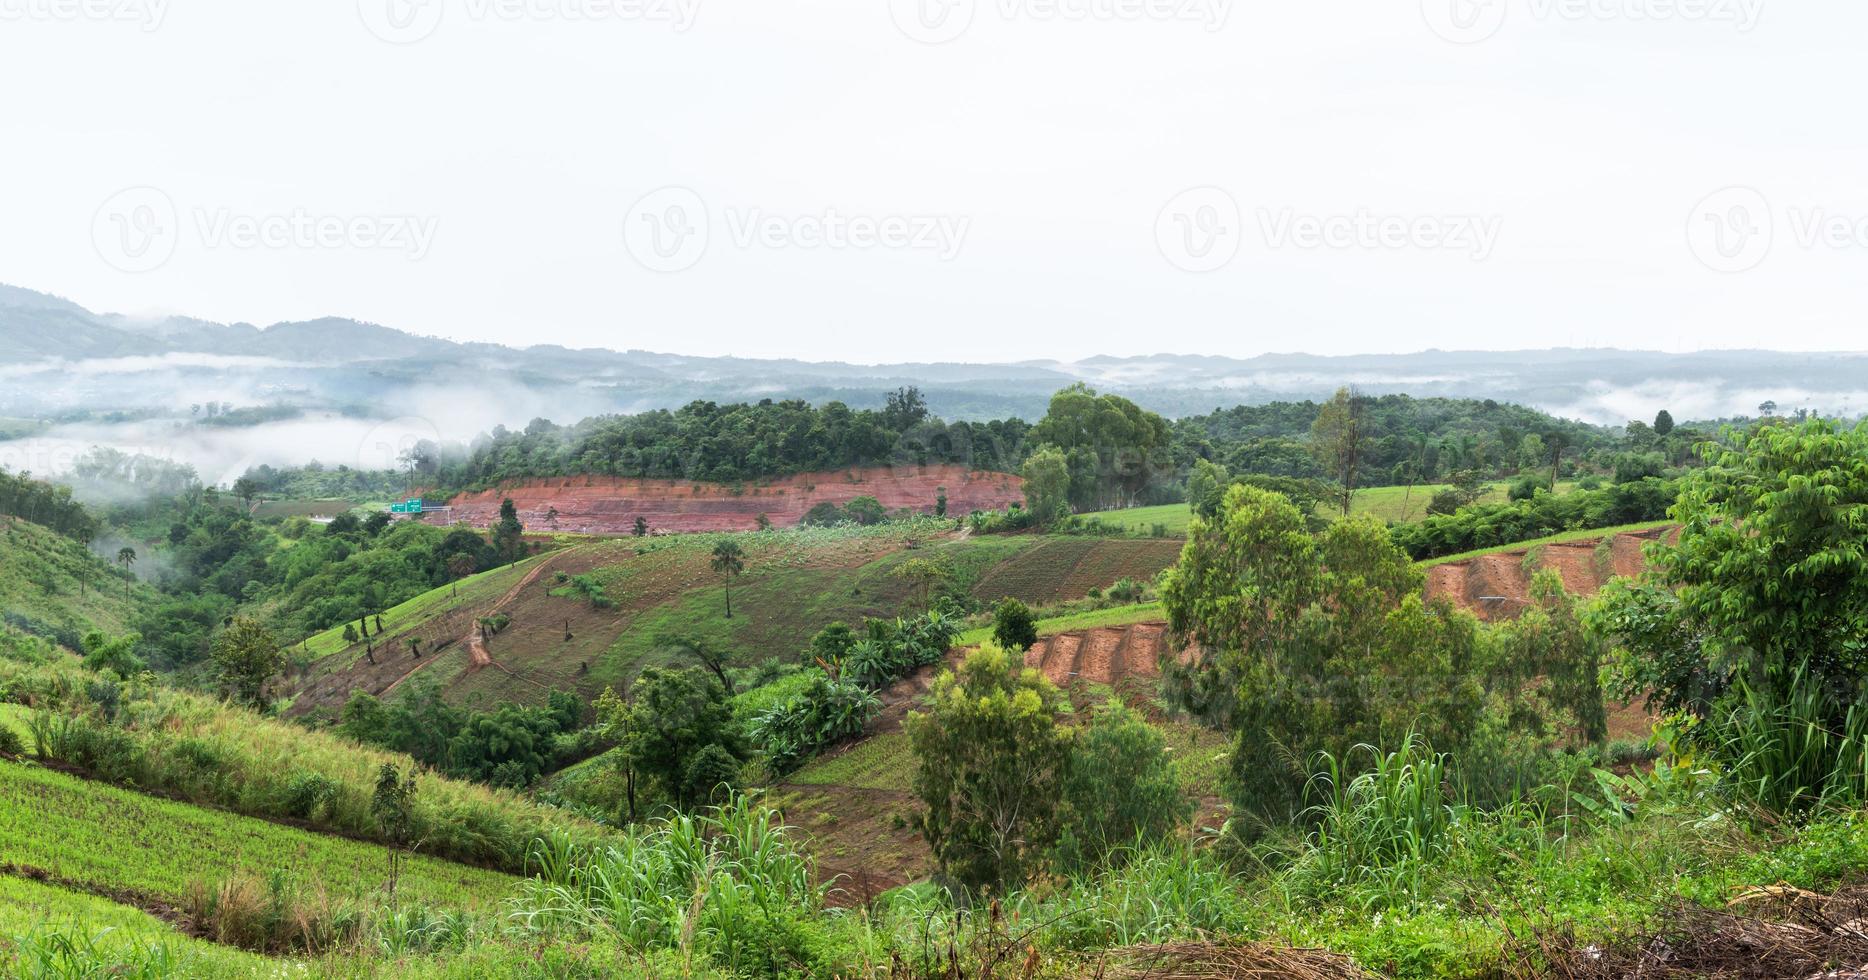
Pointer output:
1415, 791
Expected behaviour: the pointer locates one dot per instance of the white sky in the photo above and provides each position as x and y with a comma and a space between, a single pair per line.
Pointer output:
1585, 133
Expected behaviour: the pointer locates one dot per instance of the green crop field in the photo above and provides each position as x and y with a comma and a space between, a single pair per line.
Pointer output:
1146, 612
883, 762
98, 836
37, 921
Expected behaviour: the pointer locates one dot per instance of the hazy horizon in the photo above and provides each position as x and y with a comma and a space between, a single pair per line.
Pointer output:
951, 180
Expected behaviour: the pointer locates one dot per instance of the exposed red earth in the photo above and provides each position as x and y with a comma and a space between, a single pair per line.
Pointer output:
610, 505
1495, 587
1492, 587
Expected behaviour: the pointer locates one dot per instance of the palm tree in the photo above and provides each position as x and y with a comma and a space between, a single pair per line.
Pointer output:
1557, 442
729, 560
126, 557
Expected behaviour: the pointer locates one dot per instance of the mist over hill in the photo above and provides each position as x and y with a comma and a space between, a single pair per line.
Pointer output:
225, 396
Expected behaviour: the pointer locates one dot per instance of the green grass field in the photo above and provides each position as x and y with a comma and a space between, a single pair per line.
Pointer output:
99, 836
480, 585
1396, 505
301, 508
53, 580
1146, 612
1142, 520
37, 920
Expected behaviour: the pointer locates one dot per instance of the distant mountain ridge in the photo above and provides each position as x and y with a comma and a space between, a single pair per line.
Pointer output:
334, 362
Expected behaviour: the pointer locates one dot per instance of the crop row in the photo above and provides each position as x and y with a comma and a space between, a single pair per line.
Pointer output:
107, 838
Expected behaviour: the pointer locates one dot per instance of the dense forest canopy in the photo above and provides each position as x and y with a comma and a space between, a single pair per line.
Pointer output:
1116, 452
726, 443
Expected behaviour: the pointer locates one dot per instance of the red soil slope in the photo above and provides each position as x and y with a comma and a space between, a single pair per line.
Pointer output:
1491, 587
1498, 586
610, 505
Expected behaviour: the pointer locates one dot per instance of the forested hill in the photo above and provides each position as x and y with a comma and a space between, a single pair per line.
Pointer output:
1404, 438
1435, 436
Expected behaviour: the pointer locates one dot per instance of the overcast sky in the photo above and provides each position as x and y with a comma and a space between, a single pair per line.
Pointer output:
952, 179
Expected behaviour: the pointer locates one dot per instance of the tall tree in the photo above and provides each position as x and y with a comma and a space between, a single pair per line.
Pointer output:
1116, 445
126, 556
1337, 439
246, 489
729, 560
247, 656
1556, 441
676, 729
1309, 642
1767, 580
1047, 485
1663, 423
991, 760
393, 807
509, 534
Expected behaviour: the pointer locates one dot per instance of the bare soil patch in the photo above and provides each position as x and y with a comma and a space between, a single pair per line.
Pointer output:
610, 505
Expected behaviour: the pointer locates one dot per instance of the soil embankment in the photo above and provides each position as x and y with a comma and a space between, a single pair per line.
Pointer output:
610, 505
1495, 587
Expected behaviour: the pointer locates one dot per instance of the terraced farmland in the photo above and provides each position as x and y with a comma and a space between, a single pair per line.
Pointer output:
1068, 568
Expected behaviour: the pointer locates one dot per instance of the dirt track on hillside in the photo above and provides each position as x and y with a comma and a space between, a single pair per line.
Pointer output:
610, 505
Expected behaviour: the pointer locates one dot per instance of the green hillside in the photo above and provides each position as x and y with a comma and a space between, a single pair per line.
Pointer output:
51, 584
659, 590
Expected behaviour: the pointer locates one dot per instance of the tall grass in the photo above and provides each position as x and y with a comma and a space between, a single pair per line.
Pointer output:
1383, 825
728, 887
1788, 751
